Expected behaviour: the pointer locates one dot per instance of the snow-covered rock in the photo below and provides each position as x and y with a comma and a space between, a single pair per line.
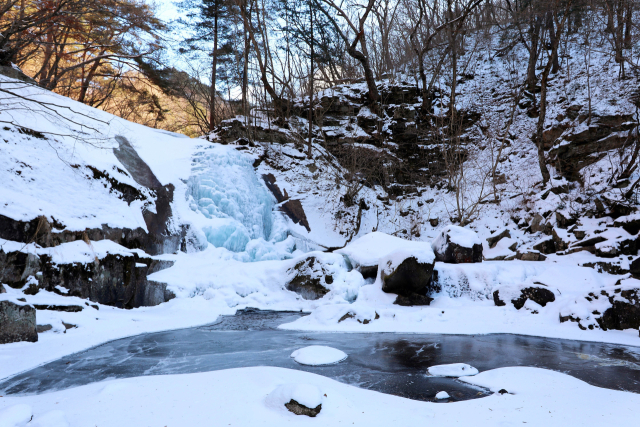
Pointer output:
366, 252
455, 244
452, 370
407, 272
519, 294
316, 355
441, 395
301, 399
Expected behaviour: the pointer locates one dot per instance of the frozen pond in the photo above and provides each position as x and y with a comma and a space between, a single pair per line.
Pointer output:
386, 362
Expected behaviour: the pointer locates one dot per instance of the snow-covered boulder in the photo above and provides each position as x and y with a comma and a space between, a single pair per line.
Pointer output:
457, 245
301, 399
452, 370
365, 253
408, 274
309, 278
441, 395
518, 295
17, 322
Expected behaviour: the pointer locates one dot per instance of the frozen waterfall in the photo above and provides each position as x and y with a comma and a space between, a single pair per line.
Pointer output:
238, 207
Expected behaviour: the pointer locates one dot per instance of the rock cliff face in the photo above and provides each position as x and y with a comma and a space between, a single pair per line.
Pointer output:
118, 280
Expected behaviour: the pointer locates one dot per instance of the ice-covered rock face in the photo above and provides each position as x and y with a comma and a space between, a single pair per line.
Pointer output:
237, 206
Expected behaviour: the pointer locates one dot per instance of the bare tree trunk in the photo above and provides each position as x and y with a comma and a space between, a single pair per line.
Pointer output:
546, 177
214, 67
311, 83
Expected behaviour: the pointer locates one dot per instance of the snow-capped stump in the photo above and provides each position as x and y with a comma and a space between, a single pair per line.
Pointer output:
17, 322
452, 370
308, 278
441, 395
318, 355
407, 273
519, 296
300, 399
457, 245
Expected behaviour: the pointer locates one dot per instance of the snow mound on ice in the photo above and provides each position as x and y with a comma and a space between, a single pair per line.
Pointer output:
370, 248
15, 416
452, 370
316, 355
459, 235
442, 395
308, 395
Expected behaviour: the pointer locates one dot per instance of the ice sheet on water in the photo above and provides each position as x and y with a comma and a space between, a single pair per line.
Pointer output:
237, 206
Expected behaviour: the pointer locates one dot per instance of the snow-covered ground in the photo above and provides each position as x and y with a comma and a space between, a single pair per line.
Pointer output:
256, 396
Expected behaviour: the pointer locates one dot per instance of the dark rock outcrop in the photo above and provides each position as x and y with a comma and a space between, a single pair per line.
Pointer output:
413, 299
115, 280
293, 209
17, 323
585, 145
530, 256
547, 246
631, 224
537, 294
65, 308
300, 409
16, 267
624, 312
495, 238
270, 182
309, 277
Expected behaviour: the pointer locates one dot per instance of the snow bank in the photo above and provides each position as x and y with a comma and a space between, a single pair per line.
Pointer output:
243, 397
452, 370
15, 416
315, 355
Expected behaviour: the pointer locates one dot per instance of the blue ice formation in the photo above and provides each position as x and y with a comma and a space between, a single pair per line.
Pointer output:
237, 205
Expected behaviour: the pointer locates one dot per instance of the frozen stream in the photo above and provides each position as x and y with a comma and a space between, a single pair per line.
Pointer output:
385, 362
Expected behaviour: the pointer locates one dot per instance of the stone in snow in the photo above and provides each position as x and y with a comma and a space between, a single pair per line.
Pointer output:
316, 355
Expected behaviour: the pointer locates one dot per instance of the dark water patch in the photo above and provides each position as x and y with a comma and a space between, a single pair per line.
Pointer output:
385, 362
